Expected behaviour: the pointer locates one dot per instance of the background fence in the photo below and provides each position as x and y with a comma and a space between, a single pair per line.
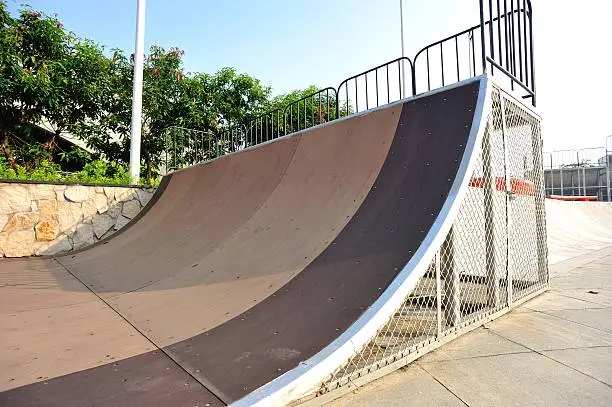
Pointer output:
584, 172
501, 45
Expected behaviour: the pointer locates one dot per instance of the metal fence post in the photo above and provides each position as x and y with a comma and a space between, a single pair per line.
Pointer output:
482, 38
552, 176
561, 176
608, 143
438, 294
578, 172
450, 274
508, 199
540, 210
489, 190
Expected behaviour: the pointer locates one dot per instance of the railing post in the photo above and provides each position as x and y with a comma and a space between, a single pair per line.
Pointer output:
174, 155
413, 77
403, 54
531, 53
287, 120
166, 143
217, 146
482, 38
491, 42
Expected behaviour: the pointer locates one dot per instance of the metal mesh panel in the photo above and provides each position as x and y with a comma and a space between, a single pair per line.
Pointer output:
527, 245
412, 326
494, 254
473, 256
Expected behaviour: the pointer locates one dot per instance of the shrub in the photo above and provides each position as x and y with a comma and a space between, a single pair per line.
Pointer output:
95, 172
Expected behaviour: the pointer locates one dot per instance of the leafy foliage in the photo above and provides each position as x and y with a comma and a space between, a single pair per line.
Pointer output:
171, 97
101, 172
72, 85
95, 172
307, 108
48, 76
31, 48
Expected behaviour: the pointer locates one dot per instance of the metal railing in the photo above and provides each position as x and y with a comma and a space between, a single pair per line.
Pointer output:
583, 172
311, 110
188, 146
510, 47
505, 44
457, 44
386, 84
306, 112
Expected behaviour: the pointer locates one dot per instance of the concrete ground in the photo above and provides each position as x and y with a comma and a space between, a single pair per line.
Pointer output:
555, 350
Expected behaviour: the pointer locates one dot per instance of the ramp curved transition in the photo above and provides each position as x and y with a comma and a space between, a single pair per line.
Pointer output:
243, 268
577, 228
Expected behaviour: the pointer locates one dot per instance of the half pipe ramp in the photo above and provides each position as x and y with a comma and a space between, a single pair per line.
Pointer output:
252, 277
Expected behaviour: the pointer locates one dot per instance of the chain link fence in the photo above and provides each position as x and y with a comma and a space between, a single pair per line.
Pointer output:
494, 256
584, 172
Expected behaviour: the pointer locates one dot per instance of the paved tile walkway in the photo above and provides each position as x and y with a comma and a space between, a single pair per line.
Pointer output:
555, 350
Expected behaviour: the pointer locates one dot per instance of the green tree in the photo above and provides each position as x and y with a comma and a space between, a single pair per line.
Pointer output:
172, 98
80, 88
32, 51
164, 105
237, 98
47, 75
108, 133
162, 102
213, 104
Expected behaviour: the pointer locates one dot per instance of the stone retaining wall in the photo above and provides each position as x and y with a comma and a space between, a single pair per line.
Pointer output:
44, 219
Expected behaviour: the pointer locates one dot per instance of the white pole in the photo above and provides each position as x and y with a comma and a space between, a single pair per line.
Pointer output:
137, 93
403, 54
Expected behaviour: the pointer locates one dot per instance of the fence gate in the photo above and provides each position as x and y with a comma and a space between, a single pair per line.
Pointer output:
524, 187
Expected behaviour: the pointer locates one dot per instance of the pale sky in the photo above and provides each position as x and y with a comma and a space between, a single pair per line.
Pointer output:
574, 71
291, 44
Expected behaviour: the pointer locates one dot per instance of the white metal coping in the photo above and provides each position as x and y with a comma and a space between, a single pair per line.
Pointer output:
309, 374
